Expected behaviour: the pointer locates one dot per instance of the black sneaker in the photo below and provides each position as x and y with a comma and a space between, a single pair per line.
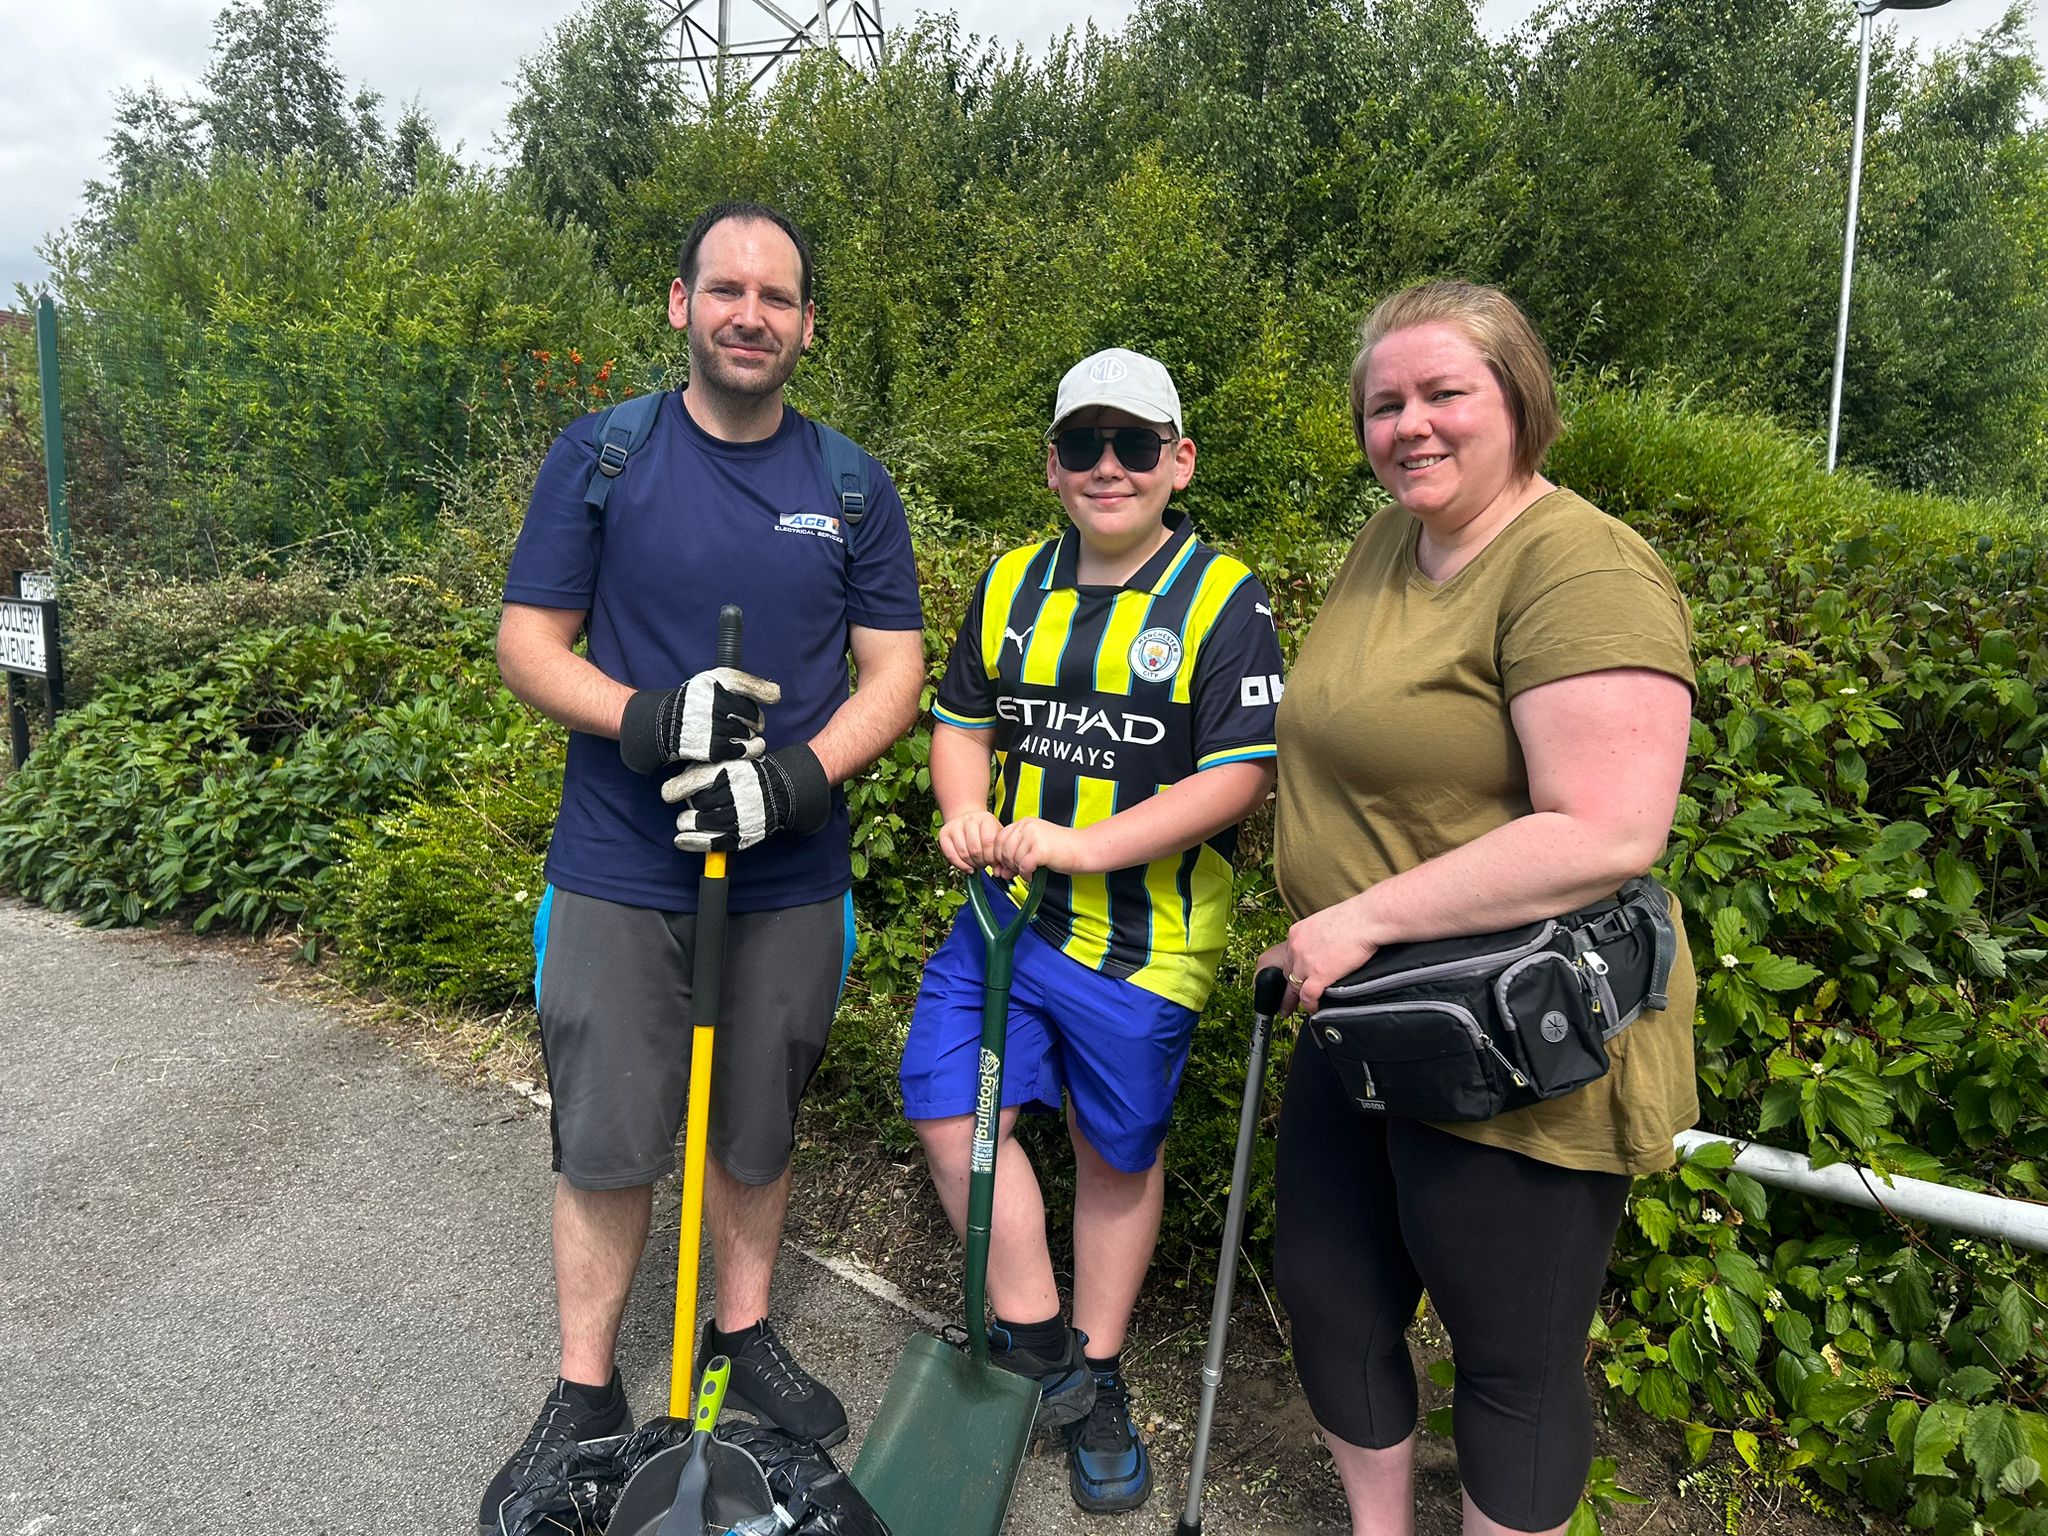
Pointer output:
767, 1382
1107, 1468
1066, 1390
565, 1422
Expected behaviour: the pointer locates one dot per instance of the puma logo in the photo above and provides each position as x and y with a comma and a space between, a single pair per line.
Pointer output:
1011, 634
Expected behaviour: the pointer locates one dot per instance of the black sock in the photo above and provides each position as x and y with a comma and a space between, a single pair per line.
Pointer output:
731, 1343
596, 1399
1046, 1338
1106, 1367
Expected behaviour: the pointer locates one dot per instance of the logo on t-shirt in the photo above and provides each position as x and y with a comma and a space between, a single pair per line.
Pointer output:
1155, 655
1258, 692
816, 524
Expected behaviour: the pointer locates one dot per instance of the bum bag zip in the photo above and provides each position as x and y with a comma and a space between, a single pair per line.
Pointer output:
1449, 970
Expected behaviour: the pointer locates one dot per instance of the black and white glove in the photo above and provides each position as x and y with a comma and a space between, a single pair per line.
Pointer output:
729, 806
714, 717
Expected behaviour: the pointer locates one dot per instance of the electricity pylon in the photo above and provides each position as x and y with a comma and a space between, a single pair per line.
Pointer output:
721, 45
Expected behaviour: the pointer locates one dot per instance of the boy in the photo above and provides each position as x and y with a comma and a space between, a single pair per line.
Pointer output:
1124, 675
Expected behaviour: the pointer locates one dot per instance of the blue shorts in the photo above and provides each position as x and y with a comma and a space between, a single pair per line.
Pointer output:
1115, 1049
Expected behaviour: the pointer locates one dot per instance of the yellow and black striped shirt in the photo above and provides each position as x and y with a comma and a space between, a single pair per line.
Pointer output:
1100, 697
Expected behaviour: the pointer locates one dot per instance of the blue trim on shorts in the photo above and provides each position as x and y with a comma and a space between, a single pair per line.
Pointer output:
540, 938
852, 948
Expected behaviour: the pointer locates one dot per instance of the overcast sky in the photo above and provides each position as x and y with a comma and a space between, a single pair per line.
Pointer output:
67, 58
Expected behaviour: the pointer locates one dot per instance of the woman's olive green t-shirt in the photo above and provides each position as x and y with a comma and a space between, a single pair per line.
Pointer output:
1396, 745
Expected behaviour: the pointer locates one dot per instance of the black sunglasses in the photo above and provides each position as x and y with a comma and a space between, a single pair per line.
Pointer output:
1137, 448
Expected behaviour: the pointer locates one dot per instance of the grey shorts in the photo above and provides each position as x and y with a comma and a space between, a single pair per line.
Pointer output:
613, 984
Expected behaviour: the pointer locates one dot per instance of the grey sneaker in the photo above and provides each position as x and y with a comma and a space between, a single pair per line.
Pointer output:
1066, 1387
767, 1382
564, 1423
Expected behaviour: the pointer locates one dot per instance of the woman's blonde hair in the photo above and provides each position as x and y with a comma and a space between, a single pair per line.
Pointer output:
1499, 332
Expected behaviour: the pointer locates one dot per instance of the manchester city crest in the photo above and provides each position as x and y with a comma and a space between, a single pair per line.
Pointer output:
1155, 655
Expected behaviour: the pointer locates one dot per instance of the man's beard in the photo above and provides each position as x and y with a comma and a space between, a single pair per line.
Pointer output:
710, 366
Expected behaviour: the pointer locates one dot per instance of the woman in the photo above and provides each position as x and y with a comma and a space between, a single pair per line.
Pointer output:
1487, 726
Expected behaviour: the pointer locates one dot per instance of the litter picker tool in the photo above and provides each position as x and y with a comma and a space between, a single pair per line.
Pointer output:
1269, 991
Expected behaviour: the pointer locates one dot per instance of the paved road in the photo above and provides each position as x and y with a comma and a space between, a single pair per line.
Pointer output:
261, 1273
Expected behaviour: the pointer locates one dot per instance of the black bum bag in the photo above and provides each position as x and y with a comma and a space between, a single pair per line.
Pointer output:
1464, 1028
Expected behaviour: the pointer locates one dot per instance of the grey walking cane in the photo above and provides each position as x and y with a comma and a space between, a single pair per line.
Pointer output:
1269, 990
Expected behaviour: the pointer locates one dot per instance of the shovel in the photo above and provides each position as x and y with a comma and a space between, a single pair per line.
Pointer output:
942, 1456
1269, 991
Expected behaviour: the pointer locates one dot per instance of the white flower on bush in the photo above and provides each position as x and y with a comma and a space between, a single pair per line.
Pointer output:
1847, 691
1710, 1215
1918, 893
1729, 962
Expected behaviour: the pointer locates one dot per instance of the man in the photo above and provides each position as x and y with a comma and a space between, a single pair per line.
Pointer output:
727, 501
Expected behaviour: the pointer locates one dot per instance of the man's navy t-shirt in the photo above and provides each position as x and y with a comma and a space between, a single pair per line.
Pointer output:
695, 522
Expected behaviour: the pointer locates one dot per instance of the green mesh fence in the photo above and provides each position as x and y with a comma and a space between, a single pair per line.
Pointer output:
188, 445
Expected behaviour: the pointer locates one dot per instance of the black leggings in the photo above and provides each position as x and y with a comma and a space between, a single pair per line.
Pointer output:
1513, 1253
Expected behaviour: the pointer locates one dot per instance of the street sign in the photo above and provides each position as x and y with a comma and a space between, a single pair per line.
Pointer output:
37, 586
24, 631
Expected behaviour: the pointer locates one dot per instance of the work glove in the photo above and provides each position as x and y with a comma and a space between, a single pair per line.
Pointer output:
735, 805
714, 717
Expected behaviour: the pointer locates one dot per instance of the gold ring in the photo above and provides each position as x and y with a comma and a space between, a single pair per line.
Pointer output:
1298, 981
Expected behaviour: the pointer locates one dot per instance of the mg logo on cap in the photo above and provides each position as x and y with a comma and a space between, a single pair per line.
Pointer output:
1107, 370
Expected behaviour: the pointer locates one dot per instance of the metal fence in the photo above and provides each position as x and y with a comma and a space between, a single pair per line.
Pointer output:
182, 443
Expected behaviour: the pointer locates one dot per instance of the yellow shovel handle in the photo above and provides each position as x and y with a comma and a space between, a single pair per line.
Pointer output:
682, 1376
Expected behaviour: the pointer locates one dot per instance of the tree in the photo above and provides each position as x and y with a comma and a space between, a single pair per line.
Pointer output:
1947, 377
412, 149
272, 90
591, 104
155, 139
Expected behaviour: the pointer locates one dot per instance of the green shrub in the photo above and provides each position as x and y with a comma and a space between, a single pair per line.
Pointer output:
144, 623
436, 897
215, 791
1858, 850
1635, 451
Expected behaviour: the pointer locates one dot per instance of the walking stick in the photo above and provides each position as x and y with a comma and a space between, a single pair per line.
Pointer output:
1269, 989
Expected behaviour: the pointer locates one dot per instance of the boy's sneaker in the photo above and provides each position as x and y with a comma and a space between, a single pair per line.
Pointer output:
567, 1419
767, 1382
1066, 1389
1107, 1468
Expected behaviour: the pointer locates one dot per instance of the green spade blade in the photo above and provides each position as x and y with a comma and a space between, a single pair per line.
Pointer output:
942, 1457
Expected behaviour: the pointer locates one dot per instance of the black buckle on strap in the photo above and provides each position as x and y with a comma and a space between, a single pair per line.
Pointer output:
611, 458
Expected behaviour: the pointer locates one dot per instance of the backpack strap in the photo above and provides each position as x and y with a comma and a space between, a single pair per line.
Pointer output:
846, 468
621, 429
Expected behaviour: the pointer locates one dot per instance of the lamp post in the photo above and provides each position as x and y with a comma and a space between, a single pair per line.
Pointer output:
1865, 9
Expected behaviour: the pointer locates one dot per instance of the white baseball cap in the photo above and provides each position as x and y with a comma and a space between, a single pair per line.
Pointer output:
1123, 379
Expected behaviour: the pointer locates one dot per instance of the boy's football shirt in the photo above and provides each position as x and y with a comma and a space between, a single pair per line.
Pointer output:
1101, 697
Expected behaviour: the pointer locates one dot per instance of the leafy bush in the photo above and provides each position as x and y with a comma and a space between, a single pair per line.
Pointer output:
216, 790
1859, 853
436, 897
1650, 450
